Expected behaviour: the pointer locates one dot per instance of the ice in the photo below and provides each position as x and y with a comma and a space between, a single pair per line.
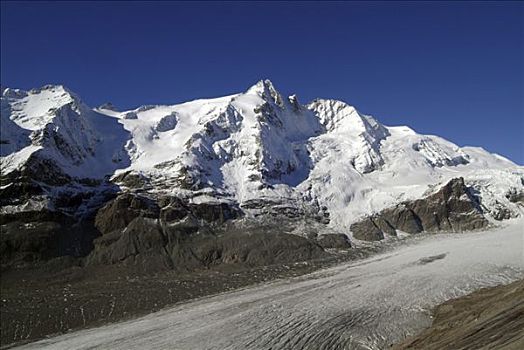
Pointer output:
367, 304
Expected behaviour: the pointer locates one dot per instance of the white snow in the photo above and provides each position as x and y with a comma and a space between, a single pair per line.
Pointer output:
367, 304
85, 144
252, 145
35, 109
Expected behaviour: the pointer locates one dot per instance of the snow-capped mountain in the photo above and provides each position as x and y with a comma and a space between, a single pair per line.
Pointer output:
257, 149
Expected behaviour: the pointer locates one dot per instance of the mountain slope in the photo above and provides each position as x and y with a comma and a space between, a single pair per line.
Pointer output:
257, 149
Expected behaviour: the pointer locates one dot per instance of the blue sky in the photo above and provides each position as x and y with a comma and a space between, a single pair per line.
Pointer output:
446, 68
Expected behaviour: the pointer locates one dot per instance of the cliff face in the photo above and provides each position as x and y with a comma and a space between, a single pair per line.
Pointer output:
453, 208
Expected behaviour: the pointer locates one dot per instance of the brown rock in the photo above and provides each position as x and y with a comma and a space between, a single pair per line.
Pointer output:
452, 208
339, 241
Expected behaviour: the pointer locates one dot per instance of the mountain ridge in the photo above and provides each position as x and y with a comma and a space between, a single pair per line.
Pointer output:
246, 148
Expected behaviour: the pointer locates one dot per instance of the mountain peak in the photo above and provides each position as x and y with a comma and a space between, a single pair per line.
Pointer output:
55, 89
267, 91
50, 91
52, 96
38, 107
262, 85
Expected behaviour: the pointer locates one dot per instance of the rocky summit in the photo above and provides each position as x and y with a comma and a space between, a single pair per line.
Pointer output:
253, 178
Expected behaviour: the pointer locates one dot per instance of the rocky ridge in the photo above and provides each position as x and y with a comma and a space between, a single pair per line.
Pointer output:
453, 208
211, 181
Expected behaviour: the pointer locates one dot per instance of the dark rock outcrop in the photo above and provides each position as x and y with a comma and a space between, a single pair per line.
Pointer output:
38, 221
515, 196
19, 192
31, 237
453, 208
500, 212
490, 318
149, 232
170, 233
31, 180
43, 170
141, 241
286, 210
118, 213
47, 214
214, 212
131, 180
254, 249
367, 230
338, 241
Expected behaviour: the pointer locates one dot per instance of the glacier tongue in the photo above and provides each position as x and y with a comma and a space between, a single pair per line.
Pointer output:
255, 146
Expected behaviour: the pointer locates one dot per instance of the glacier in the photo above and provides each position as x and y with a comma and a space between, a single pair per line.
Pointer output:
369, 304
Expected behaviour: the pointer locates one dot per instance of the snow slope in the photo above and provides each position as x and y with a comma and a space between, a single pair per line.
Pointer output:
253, 146
368, 304
83, 143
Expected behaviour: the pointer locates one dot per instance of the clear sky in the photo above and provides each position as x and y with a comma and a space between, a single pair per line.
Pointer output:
446, 68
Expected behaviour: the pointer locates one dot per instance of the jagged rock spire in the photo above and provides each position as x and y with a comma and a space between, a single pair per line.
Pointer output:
265, 89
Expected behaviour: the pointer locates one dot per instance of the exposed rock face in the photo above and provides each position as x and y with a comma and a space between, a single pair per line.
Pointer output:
214, 212
171, 233
338, 241
515, 196
43, 235
453, 208
256, 249
287, 210
118, 213
131, 180
367, 230
142, 238
158, 232
44, 215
